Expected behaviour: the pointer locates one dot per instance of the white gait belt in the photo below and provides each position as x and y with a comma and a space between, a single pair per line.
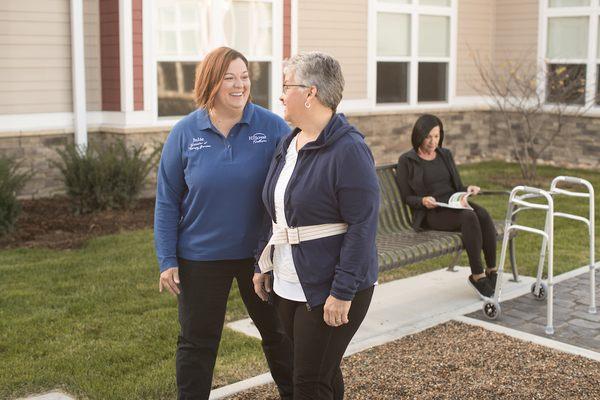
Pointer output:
283, 235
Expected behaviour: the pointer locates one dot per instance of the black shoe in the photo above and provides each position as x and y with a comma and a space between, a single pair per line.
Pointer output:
492, 278
482, 287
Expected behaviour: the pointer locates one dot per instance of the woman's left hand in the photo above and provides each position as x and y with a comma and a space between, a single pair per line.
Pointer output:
335, 312
473, 190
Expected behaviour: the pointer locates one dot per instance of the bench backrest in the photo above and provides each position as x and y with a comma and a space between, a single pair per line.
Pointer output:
394, 215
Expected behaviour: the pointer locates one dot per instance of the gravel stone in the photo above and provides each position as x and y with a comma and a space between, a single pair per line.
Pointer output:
459, 361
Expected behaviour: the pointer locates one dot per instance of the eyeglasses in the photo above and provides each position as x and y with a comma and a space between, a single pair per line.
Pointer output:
286, 86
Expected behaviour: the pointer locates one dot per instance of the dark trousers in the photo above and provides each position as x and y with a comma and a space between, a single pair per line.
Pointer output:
318, 347
205, 287
477, 228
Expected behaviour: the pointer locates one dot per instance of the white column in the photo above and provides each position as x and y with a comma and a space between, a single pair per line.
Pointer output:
150, 99
126, 54
78, 74
277, 56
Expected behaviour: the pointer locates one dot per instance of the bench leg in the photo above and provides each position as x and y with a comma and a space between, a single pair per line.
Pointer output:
513, 260
454, 262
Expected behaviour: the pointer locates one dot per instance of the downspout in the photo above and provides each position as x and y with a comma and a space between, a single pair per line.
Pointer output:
78, 75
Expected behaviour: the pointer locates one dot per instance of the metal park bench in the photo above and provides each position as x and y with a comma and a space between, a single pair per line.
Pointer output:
398, 244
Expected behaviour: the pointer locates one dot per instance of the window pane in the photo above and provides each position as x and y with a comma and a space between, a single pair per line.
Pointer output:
188, 13
442, 3
392, 82
434, 36
183, 27
189, 42
598, 85
598, 44
166, 17
567, 37
393, 34
565, 83
260, 76
167, 42
175, 88
569, 3
248, 27
432, 81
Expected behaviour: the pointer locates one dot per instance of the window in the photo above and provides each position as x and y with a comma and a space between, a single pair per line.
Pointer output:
572, 73
569, 3
188, 29
413, 50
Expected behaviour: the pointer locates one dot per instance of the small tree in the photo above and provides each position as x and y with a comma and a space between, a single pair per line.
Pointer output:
513, 86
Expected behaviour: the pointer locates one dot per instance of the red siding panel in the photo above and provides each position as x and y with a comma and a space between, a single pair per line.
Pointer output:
138, 59
287, 28
109, 54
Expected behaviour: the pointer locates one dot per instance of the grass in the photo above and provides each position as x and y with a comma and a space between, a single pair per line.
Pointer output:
92, 323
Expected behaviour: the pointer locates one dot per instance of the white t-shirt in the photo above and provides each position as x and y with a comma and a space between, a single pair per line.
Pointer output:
282, 254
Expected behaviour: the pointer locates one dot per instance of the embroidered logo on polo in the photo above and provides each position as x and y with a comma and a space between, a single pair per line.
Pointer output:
258, 137
198, 143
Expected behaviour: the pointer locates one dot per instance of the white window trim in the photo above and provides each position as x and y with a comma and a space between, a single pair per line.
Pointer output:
275, 59
593, 13
414, 10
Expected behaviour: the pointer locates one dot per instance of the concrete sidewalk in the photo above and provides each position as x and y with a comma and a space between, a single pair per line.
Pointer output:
401, 308
410, 305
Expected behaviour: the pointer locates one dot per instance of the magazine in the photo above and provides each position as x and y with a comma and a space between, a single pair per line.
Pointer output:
454, 201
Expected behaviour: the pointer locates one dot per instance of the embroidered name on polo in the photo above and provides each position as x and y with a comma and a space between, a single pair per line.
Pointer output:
258, 137
198, 143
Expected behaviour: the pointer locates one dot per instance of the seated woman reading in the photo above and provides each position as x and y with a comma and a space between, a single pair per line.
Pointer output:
427, 176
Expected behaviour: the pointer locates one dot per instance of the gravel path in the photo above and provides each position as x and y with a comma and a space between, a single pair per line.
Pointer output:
458, 361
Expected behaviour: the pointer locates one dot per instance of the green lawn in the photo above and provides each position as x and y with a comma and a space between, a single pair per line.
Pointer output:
92, 322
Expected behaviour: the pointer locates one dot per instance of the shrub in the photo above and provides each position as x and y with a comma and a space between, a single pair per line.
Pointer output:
11, 181
107, 177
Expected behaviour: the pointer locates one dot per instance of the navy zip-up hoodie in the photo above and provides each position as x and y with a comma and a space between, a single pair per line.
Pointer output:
334, 181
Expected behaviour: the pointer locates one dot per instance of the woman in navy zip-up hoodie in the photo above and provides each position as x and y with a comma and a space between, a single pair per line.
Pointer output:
321, 180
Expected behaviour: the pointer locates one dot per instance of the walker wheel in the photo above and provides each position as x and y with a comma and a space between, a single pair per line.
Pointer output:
491, 310
542, 294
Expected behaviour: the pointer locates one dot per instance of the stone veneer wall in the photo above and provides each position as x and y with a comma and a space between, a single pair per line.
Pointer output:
38, 152
471, 135
481, 135
466, 133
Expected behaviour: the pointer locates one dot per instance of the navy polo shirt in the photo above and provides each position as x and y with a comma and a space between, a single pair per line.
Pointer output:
208, 197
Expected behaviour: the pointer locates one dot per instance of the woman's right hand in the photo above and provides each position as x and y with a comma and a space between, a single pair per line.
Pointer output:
169, 279
429, 202
262, 285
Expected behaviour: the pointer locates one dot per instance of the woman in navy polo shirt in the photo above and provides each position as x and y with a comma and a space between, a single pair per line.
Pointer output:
208, 218
322, 195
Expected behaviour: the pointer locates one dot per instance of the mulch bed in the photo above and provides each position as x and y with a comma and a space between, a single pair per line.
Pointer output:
459, 361
51, 223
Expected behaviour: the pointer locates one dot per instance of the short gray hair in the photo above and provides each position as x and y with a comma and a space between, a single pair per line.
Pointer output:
320, 70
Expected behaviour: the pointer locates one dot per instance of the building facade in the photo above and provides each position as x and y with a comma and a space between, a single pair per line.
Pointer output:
91, 70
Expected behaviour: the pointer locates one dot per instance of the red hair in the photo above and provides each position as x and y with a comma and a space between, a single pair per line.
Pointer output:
210, 72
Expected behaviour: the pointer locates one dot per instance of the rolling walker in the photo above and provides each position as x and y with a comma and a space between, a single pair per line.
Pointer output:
518, 202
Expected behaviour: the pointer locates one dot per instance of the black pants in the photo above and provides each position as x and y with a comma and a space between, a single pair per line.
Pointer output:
318, 347
477, 228
205, 287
